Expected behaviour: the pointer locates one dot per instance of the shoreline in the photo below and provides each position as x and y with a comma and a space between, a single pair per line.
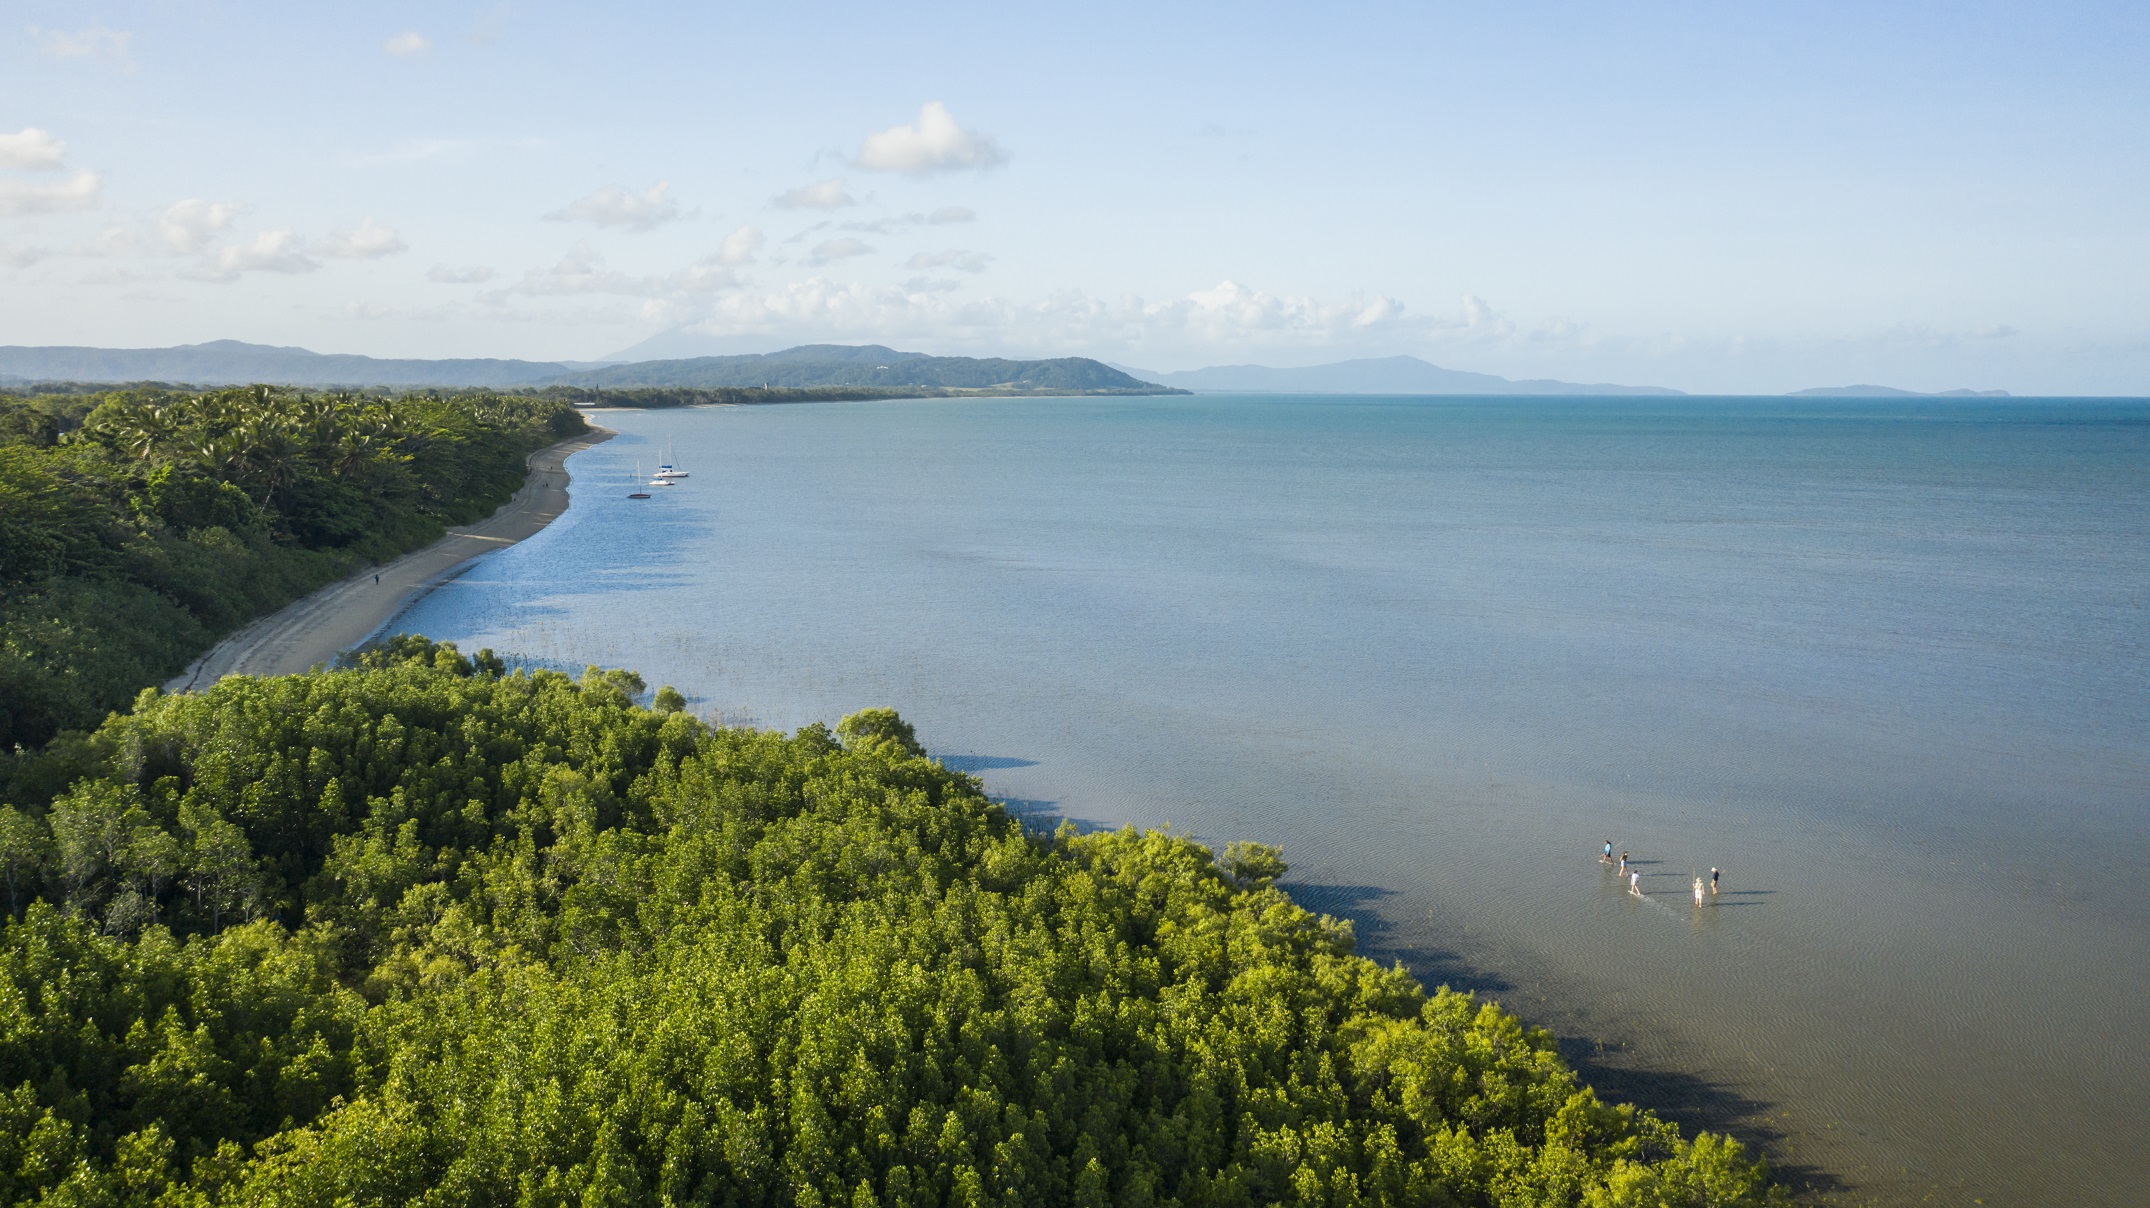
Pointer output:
314, 629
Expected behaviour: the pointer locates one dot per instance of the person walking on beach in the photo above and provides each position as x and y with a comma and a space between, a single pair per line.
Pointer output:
1634, 883
1698, 891
1607, 858
1623, 861
376, 578
1713, 882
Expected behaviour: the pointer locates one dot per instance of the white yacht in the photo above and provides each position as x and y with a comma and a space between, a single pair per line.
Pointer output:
668, 471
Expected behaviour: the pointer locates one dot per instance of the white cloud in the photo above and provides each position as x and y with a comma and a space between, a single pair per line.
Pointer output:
377, 312
615, 206
1232, 309
930, 285
837, 249
409, 44
111, 242
583, 271
882, 226
821, 195
491, 26
370, 240
17, 255
414, 151
277, 251
77, 192
706, 275
739, 246
934, 143
898, 222
957, 259
469, 274
96, 42
189, 226
1200, 324
30, 147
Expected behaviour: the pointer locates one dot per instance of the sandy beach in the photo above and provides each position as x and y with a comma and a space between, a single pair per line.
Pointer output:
342, 615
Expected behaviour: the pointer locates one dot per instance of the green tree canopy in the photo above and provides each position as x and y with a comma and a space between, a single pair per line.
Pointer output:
137, 525
423, 932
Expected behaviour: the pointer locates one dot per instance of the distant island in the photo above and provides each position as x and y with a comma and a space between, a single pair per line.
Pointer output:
1893, 392
1410, 375
1376, 375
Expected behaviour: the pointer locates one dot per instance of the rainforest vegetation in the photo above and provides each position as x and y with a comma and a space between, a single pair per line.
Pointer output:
425, 932
753, 396
138, 525
697, 396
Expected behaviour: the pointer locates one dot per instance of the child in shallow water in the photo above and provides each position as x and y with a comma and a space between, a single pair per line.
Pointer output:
1698, 891
1634, 883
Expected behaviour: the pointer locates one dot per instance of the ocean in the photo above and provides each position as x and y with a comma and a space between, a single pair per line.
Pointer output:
1884, 663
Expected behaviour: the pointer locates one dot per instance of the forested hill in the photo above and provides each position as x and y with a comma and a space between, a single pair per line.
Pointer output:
425, 933
137, 526
228, 362
808, 367
870, 365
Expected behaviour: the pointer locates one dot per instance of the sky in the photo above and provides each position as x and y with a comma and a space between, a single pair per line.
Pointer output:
1729, 197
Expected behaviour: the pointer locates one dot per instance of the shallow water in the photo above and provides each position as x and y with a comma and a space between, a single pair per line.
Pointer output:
1885, 663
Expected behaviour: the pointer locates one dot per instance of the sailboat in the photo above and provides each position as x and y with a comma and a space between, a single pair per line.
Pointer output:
631, 482
668, 471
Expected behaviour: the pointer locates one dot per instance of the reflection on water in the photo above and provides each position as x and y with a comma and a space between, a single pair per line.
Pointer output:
1884, 664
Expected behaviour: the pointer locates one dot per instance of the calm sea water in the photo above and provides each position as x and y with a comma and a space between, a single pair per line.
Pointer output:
1883, 663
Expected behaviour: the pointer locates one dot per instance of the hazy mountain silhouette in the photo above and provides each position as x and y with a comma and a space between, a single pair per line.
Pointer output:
1376, 375
1893, 392
869, 366
229, 362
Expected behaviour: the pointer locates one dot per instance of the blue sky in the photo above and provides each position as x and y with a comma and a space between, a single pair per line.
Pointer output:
1734, 197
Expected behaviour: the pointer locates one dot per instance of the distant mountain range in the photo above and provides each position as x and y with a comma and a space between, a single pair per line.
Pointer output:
1380, 375
226, 362
871, 366
868, 366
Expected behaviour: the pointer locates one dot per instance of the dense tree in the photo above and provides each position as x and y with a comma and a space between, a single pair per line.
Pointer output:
424, 932
138, 525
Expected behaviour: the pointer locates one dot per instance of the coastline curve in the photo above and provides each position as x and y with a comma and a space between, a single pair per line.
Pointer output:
318, 627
